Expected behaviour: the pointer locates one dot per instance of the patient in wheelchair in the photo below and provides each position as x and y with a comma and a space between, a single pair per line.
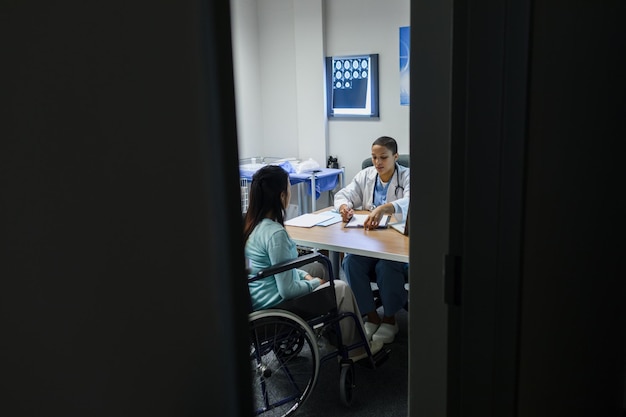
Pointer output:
267, 243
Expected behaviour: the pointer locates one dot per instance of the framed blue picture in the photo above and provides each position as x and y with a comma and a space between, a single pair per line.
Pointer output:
405, 49
352, 86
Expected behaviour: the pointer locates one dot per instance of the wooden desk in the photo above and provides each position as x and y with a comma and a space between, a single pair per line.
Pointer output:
380, 243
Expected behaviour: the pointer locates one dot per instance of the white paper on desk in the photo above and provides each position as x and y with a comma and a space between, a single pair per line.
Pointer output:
398, 226
336, 218
308, 219
358, 220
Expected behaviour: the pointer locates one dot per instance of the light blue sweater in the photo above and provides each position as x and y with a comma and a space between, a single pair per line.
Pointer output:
268, 245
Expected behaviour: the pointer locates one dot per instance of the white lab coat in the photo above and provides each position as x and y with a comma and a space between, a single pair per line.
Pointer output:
359, 194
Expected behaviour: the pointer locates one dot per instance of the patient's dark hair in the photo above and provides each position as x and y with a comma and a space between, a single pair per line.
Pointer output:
388, 142
267, 185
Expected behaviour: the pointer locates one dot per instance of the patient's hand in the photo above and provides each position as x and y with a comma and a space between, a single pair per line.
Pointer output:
309, 277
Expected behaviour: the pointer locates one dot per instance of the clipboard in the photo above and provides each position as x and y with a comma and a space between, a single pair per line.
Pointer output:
358, 220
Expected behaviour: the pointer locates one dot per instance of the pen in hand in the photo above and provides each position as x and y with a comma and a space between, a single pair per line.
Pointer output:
346, 213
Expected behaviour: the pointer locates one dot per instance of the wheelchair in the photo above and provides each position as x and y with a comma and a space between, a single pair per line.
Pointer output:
285, 354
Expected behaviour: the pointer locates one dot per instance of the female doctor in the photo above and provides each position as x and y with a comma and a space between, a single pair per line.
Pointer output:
383, 189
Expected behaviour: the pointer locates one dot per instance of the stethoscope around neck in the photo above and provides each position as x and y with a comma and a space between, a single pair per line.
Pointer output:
398, 186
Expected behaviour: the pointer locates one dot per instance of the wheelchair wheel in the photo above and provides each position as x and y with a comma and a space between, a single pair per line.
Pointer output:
284, 360
290, 346
346, 383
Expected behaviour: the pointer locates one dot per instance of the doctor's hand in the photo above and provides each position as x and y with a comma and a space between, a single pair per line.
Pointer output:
346, 213
374, 218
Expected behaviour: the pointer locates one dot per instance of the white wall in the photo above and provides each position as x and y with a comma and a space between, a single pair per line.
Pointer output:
247, 77
366, 27
310, 80
279, 78
277, 68
279, 48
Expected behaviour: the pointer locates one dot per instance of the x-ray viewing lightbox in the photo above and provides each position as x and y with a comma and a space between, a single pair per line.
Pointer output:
352, 86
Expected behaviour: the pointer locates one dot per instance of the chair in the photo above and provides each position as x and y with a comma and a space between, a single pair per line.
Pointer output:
404, 160
284, 352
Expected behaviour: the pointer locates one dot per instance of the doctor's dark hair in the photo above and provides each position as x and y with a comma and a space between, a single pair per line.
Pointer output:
264, 197
388, 142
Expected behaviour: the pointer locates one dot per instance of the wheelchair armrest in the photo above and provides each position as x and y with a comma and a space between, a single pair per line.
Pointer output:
292, 264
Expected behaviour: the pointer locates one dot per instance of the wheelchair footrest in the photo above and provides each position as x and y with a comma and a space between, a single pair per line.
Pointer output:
377, 359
